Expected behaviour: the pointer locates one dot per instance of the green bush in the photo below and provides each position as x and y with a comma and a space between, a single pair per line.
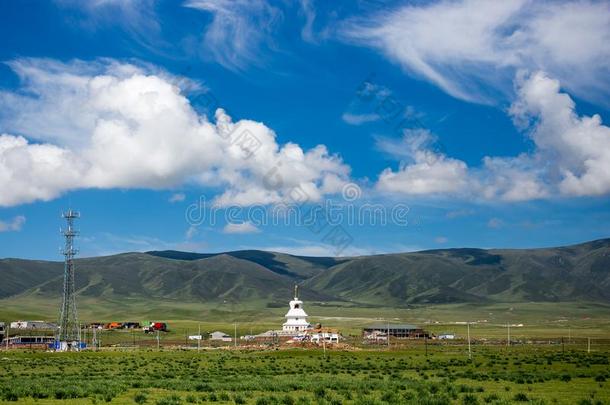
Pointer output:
470, 399
140, 398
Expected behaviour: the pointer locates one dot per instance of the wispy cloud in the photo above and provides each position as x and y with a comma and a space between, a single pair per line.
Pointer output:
109, 244
495, 223
240, 31
441, 240
240, 228
359, 119
191, 232
13, 225
177, 197
472, 48
137, 18
459, 213
309, 12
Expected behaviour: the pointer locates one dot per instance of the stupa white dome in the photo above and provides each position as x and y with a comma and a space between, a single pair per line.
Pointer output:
296, 317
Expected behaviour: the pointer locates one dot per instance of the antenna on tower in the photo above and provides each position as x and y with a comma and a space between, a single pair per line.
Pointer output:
68, 335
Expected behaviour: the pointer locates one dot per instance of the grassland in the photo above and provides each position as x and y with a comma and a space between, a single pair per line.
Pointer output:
539, 320
133, 371
495, 375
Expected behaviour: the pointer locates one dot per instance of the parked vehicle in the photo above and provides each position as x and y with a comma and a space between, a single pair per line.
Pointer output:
155, 326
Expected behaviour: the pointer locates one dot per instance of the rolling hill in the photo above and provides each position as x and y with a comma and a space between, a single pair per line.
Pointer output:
573, 273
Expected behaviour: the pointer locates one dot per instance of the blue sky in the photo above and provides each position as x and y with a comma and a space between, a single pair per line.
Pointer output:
483, 124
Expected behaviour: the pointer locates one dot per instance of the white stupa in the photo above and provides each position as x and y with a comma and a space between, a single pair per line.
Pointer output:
296, 317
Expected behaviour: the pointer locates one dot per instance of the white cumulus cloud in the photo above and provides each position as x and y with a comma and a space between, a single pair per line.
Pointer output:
571, 155
424, 171
575, 149
107, 124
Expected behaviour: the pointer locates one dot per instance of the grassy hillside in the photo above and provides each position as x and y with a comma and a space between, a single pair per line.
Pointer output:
580, 272
183, 285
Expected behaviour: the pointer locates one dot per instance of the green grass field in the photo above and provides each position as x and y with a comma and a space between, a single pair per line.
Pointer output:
495, 375
540, 320
536, 369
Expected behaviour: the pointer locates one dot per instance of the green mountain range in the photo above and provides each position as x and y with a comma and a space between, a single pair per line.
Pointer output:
573, 273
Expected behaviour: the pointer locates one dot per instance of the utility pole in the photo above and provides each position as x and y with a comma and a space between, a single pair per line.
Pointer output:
388, 335
323, 344
94, 341
199, 340
469, 349
588, 345
426, 343
235, 334
8, 333
158, 342
508, 339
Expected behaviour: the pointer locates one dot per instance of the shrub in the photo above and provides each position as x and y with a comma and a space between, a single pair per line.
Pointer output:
171, 400
470, 399
520, 397
264, 401
140, 398
319, 392
491, 398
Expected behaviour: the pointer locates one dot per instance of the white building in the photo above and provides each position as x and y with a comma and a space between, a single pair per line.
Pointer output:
223, 337
324, 335
40, 325
296, 317
446, 336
